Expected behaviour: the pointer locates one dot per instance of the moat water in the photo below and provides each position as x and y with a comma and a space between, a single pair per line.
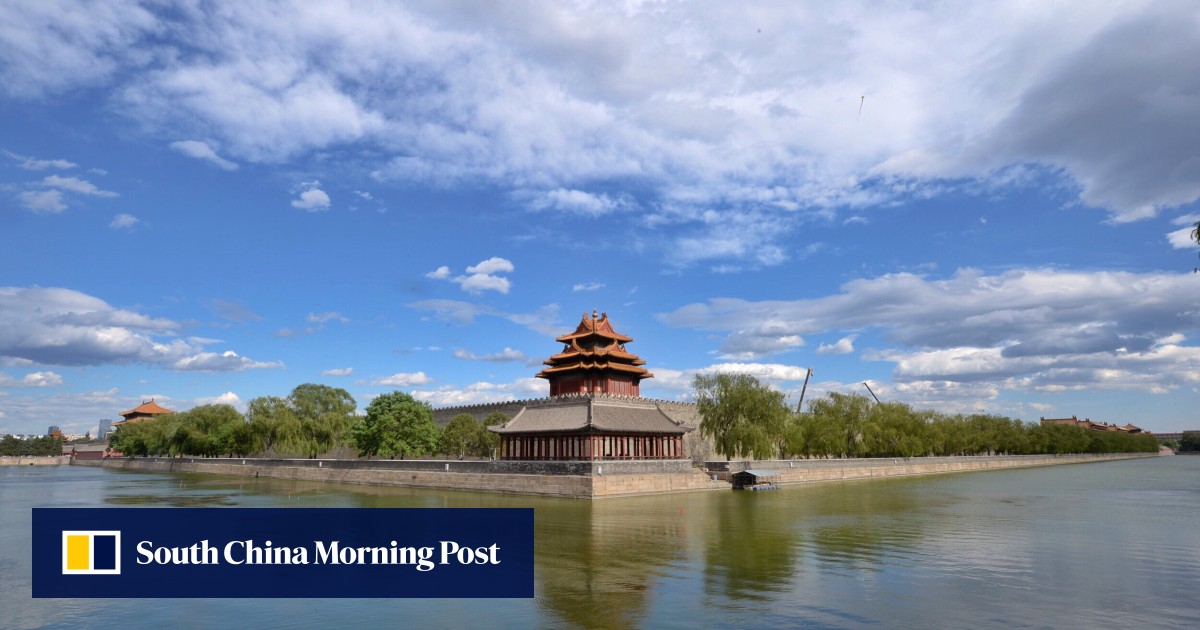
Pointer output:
1104, 545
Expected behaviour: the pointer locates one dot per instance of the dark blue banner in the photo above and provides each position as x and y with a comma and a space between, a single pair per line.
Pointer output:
262, 552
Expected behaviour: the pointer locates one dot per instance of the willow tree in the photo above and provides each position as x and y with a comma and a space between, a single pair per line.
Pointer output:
742, 416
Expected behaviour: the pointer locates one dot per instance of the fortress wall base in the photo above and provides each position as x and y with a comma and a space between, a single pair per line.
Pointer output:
49, 460
581, 480
812, 471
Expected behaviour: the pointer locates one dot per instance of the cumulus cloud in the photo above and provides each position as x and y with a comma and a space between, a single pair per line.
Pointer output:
227, 361
482, 392
1023, 328
504, 356
42, 201
55, 326
228, 398
576, 202
709, 108
403, 379
42, 379
338, 372
201, 151
312, 198
479, 278
124, 221
33, 379
76, 185
845, 345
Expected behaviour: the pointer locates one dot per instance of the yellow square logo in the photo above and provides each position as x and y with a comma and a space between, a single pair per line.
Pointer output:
91, 552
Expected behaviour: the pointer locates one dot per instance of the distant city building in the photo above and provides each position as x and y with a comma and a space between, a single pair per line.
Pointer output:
1095, 426
54, 431
145, 411
104, 429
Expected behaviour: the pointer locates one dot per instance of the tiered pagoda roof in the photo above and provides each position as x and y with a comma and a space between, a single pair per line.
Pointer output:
144, 411
593, 348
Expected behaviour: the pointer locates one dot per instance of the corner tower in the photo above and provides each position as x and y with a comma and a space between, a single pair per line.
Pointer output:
594, 361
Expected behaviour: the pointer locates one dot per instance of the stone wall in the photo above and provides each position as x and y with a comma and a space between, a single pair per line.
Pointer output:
814, 470
49, 460
581, 480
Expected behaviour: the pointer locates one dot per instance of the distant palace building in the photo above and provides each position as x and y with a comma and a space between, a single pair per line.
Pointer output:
595, 411
146, 411
1095, 426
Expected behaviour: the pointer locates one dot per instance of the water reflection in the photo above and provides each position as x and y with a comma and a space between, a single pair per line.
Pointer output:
597, 563
1072, 546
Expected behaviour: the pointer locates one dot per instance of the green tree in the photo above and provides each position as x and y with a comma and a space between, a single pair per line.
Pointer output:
1190, 441
741, 415
323, 414
489, 441
460, 436
273, 422
396, 424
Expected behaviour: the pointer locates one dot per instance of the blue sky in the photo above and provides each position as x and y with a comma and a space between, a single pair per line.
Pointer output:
972, 208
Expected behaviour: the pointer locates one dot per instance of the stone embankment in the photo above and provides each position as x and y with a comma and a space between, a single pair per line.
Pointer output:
817, 470
580, 480
46, 460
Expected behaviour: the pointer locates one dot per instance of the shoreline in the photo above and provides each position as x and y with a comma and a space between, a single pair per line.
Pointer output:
582, 479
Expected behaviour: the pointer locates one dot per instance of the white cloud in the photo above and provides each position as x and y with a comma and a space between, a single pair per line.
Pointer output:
43, 201
589, 286
845, 345
481, 277
492, 265
338, 372
76, 185
42, 379
312, 198
228, 361
322, 318
576, 202
1182, 238
504, 356
403, 379
34, 164
201, 151
483, 392
228, 398
1033, 328
480, 282
33, 379
124, 221
55, 326
742, 113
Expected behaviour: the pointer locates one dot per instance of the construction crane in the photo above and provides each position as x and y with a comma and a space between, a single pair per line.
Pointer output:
800, 405
872, 393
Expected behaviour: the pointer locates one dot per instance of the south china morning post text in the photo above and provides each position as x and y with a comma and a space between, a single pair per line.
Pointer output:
333, 552
282, 552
